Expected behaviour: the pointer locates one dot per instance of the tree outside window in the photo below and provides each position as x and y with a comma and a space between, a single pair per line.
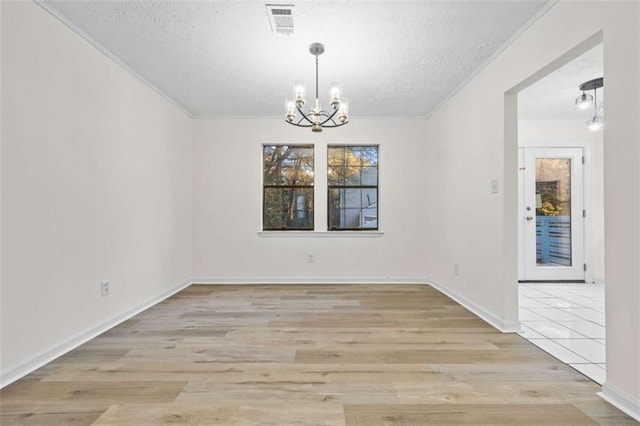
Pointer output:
288, 187
352, 177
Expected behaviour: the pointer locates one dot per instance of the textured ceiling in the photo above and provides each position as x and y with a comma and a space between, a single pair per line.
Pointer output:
220, 58
553, 96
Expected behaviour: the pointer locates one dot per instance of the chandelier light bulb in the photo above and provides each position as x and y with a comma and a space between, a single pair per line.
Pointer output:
291, 110
583, 101
595, 124
298, 93
343, 111
334, 94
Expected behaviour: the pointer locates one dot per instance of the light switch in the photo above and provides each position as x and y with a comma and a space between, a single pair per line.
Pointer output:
494, 186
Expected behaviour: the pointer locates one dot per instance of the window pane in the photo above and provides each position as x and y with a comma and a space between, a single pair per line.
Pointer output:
304, 152
553, 212
335, 155
370, 176
353, 208
352, 176
288, 165
287, 179
355, 154
352, 156
369, 155
351, 198
288, 208
369, 197
268, 152
335, 175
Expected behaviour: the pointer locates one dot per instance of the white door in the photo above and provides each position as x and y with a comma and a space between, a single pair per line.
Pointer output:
552, 214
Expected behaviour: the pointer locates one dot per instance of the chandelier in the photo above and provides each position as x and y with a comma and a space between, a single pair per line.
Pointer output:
316, 117
585, 100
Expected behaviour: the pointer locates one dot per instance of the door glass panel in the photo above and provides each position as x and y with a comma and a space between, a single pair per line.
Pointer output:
553, 212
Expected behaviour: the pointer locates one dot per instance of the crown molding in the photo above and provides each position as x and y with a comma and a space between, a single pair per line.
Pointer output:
73, 27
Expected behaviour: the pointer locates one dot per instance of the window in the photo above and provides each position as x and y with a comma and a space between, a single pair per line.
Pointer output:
287, 187
352, 176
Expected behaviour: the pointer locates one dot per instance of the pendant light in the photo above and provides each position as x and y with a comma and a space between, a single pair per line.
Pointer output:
585, 100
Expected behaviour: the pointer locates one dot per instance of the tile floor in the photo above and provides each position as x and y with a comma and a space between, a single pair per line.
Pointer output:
567, 321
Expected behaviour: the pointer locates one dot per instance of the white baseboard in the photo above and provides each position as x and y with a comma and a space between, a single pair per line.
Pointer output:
37, 361
623, 401
14, 373
503, 326
311, 280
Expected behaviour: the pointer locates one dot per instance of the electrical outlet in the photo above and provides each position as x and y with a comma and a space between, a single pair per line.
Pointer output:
311, 258
456, 269
105, 288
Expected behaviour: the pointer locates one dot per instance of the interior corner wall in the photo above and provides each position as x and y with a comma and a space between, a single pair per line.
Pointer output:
96, 185
467, 149
227, 247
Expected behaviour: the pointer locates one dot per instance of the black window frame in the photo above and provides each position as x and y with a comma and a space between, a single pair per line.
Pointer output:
309, 187
330, 186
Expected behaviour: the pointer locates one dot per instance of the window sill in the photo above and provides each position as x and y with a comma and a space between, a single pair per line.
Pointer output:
320, 234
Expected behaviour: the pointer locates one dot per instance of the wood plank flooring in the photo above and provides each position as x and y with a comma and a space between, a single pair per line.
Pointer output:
363, 355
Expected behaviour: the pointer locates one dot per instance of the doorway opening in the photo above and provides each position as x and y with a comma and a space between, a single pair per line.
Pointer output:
561, 217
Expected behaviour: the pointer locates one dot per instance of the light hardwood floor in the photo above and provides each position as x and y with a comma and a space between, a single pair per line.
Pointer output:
306, 355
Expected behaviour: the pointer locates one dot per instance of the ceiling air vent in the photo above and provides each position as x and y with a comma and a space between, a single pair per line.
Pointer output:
280, 18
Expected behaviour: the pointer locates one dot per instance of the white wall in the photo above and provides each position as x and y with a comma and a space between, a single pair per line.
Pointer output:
572, 133
466, 140
96, 184
1, 149
227, 158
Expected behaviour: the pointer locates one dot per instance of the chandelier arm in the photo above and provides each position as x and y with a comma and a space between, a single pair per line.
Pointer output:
333, 124
330, 126
329, 117
303, 125
298, 124
304, 116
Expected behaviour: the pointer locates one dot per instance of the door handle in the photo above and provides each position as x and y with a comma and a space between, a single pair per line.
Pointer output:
529, 218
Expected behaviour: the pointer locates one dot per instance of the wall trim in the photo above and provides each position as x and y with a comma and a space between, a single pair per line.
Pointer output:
494, 55
12, 374
280, 117
309, 280
621, 400
501, 325
320, 234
